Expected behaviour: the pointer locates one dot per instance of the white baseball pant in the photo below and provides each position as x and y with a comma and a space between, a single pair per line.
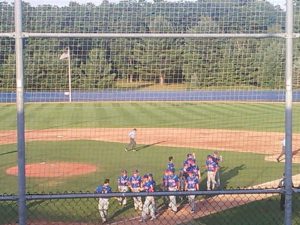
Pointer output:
103, 208
138, 204
211, 180
172, 198
123, 189
149, 207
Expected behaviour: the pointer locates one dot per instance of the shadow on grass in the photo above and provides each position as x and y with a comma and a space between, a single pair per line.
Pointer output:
146, 146
7, 153
227, 175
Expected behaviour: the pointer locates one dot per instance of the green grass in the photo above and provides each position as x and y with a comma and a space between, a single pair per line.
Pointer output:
239, 169
235, 116
264, 212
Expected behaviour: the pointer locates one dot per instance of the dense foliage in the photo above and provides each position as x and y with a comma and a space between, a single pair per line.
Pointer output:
196, 62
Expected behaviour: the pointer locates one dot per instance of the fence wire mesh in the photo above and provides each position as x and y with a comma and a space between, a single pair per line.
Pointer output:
155, 17
207, 106
223, 209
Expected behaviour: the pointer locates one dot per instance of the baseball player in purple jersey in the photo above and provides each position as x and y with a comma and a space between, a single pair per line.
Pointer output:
212, 169
123, 182
103, 202
135, 182
192, 184
189, 158
149, 204
173, 185
217, 159
132, 143
165, 185
194, 169
171, 165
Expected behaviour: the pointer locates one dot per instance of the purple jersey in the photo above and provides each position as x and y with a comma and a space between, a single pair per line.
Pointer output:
165, 180
123, 180
103, 189
171, 167
195, 170
216, 159
211, 165
135, 181
192, 182
148, 186
172, 180
189, 161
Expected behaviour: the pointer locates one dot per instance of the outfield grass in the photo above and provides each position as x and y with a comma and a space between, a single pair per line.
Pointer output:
237, 116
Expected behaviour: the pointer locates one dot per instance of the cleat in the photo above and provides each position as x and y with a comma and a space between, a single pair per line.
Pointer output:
126, 150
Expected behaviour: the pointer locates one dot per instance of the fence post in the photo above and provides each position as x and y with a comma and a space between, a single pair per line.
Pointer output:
20, 112
288, 113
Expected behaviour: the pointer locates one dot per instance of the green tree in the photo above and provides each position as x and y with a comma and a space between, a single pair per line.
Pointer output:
98, 72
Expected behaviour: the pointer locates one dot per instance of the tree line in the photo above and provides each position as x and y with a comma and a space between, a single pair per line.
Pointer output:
102, 62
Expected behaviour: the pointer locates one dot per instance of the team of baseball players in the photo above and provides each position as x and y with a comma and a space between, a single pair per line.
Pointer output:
188, 179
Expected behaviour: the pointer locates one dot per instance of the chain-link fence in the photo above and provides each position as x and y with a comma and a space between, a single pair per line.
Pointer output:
263, 208
207, 86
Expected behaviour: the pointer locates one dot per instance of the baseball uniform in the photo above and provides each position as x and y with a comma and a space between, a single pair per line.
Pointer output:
103, 202
135, 184
132, 143
123, 182
212, 168
192, 184
172, 183
149, 204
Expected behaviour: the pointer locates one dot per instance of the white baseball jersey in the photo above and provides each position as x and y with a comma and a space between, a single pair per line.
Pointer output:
132, 134
283, 142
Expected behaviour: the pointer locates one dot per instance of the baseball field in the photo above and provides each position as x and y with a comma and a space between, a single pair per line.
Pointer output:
74, 147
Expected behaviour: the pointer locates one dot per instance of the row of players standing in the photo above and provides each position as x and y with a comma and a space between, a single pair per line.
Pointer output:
188, 179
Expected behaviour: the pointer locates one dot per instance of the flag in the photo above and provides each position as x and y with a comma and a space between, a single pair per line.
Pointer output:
65, 55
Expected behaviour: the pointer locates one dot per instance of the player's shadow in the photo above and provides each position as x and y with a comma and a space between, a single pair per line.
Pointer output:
147, 146
6, 153
122, 209
226, 175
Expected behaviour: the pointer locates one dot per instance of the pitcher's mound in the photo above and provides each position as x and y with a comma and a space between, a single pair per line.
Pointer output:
54, 169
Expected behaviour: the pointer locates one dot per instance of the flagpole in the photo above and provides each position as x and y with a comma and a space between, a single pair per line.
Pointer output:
70, 83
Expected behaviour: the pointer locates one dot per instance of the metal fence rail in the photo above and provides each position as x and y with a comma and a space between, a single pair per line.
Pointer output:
252, 206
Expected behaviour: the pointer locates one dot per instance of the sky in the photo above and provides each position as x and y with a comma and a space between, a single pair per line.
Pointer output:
96, 2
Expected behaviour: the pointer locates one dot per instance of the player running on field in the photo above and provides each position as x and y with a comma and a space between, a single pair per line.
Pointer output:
135, 182
103, 202
123, 182
132, 142
149, 204
212, 169
173, 185
283, 143
192, 184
